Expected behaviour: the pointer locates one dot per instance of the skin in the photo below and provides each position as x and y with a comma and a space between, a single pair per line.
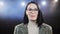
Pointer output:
32, 15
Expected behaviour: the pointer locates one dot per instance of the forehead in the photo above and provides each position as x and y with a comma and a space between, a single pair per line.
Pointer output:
32, 6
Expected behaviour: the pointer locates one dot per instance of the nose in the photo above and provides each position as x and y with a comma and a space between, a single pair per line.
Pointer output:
32, 12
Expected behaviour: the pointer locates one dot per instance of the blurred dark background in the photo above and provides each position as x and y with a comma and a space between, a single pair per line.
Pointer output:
12, 13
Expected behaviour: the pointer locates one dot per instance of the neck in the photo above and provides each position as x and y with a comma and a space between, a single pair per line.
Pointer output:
32, 22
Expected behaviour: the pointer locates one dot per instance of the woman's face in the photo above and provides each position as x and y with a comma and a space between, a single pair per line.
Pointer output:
32, 11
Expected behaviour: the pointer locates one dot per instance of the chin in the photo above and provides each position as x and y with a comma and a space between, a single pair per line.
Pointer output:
33, 19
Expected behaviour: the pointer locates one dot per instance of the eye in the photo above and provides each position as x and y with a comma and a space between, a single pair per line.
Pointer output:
36, 9
29, 9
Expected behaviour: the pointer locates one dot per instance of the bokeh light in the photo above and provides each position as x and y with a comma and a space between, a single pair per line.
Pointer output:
43, 3
55, 0
23, 3
1, 4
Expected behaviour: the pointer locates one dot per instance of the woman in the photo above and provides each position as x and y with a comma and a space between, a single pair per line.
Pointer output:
33, 21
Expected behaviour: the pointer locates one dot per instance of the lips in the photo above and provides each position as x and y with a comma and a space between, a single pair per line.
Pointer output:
32, 16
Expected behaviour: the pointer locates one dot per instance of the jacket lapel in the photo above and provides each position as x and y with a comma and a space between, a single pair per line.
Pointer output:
26, 29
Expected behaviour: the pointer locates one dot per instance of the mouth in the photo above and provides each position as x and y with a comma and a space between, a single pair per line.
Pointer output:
32, 16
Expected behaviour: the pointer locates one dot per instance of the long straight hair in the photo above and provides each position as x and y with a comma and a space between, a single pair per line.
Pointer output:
39, 20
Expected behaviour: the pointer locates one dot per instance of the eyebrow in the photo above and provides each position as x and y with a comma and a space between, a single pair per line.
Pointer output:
31, 8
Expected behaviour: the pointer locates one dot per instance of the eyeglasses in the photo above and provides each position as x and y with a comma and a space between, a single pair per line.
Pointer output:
32, 9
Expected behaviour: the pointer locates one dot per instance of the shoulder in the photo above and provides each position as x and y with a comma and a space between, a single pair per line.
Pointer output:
47, 26
19, 25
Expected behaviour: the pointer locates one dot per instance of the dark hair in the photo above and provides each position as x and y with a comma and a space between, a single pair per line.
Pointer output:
39, 20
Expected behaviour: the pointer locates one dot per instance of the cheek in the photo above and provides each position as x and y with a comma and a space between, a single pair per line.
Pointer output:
36, 15
27, 13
